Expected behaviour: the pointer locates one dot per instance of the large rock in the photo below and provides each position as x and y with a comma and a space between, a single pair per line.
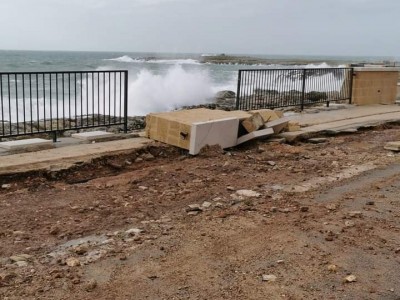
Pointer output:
225, 94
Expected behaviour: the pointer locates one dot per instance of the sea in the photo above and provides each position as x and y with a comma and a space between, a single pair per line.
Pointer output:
161, 81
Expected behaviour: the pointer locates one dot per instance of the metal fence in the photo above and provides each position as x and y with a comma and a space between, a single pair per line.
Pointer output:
53, 102
272, 88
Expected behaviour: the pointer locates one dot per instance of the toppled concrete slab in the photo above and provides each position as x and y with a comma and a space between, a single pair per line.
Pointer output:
393, 146
278, 125
93, 135
175, 128
255, 134
27, 145
218, 132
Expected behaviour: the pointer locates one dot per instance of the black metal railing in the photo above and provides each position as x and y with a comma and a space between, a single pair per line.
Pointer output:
272, 88
53, 102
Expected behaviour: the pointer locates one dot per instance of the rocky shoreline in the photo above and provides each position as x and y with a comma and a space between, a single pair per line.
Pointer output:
252, 60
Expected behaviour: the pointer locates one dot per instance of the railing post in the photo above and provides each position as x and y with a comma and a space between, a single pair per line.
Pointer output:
125, 101
351, 85
303, 90
238, 89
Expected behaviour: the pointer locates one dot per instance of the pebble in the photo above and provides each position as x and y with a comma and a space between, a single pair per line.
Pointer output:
20, 257
193, 207
133, 231
304, 209
332, 268
143, 188
317, 140
248, 193
349, 224
230, 188
6, 186
273, 209
370, 202
331, 206
355, 214
206, 204
269, 278
54, 230
72, 262
81, 249
350, 278
271, 163
90, 285
21, 263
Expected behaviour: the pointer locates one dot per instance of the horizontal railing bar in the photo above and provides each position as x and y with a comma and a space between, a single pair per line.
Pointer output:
294, 69
60, 72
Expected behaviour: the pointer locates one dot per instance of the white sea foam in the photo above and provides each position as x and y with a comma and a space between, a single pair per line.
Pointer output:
124, 58
128, 59
178, 87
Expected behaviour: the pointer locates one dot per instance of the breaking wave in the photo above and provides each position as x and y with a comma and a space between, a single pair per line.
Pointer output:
150, 92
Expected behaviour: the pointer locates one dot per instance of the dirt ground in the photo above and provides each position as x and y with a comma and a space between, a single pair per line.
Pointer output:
261, 221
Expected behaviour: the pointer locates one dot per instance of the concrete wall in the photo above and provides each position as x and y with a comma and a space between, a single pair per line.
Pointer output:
375, 85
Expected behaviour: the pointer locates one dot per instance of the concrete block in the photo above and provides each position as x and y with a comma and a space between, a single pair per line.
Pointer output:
394, 146
215, 132
278, 125
175, 128
28, 144
253, 123
92, 135
255, 134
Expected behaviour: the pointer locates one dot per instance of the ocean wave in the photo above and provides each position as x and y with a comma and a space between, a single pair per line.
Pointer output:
124, 58
153, 60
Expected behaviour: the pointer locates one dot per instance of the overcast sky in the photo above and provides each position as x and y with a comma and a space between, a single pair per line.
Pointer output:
304, 27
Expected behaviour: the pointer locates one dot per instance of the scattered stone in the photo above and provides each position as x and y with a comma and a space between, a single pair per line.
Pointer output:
206, 204
280, 261
285, 210
393, 146
331, 206
370, 202
54, 230
143, 188
317, 140
147, 156
230, 188
20, 257
193, 213
194, 207
271, 163
248, 193
6, 186
90, 285
277, 187
81, 249
269, 278
304, 209
72, 262
349, 223
273, 209
355, 214
22, 263
133, 231
350, 278
397, 250
5, 277
122, 257
332, 268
